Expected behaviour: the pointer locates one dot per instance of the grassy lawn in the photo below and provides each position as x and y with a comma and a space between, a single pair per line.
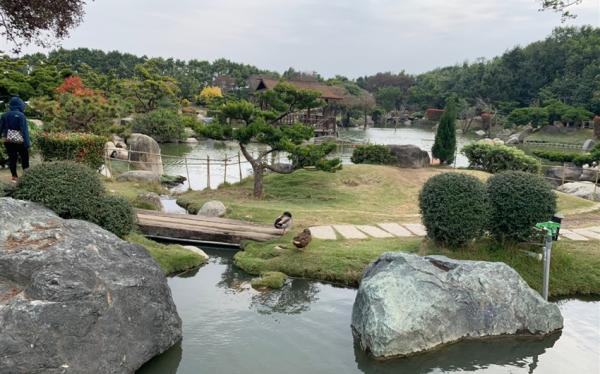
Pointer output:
573, 137
171, 258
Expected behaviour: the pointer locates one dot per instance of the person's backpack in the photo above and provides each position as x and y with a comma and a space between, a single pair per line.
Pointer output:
14, 136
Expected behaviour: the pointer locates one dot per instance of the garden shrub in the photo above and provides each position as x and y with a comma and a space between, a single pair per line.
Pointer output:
498, 157
74, 191
453, 208
114, 214
3, 156
518, 201
578, 159
163, 125
372, 154
66, 187
84, 148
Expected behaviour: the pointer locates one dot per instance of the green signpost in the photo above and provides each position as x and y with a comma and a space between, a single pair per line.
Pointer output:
551, 230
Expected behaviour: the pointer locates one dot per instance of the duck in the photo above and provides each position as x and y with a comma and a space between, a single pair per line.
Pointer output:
284, 221
303, 239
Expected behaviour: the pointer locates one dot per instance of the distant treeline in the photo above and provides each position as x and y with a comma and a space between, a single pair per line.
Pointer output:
565, 67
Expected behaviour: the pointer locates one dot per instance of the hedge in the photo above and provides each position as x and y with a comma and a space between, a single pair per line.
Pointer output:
496, 158
83, 148
372, 154
578, 159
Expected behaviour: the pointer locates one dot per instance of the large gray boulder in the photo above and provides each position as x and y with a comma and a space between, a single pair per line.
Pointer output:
213, 208
588, 145
75, 298
585, 190
145, 153
410, 156
556, 174
408, 304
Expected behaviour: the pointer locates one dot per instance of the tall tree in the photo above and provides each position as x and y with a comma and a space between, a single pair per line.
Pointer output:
24, 22
149, 89
445, 137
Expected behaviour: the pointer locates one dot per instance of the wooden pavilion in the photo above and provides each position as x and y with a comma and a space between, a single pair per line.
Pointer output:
322, 119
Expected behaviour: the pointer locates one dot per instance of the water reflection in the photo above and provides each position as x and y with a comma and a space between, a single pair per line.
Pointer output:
523, 352
294, 298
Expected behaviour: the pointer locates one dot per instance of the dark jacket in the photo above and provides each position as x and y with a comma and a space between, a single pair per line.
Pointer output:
14, 119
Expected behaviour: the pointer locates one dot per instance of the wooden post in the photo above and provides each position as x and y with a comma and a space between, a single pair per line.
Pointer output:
240, 165
208, 171
564, 172
596, 184
128, 159
187, 171
225, 170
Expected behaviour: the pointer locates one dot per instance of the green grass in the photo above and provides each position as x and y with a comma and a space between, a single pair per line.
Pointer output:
171, 258
569, 204
340, 262
356, 194
269, 279
131, 190
573, 137
574, 266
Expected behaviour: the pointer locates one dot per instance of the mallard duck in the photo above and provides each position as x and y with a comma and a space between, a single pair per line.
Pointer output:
284, 221
301, 240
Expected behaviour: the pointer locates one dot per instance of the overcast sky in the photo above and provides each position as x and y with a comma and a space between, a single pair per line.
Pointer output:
348, 37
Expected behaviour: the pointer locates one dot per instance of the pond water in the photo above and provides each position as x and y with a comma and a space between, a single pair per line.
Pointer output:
218, 151
305, 328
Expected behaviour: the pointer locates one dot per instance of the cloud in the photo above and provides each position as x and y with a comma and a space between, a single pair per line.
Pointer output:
350, 37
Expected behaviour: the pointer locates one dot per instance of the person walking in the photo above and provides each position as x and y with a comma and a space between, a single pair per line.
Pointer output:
15, 135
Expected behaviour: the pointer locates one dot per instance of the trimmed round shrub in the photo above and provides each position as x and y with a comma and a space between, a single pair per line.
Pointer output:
518, 201
114, 214
372, 154
453, 208
163, 125
66, 187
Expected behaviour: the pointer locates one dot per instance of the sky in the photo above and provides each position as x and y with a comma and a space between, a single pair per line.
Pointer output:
347, 37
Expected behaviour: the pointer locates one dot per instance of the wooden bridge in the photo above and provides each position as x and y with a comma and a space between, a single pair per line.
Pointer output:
199, 229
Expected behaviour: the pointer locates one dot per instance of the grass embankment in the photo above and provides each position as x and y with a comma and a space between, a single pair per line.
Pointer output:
171, 258
365, 194
567, 137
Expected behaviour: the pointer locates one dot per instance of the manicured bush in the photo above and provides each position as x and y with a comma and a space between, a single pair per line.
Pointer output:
114, 214
496, 158
74, 191
518, 201
163, 125
68, 188
372, 154
84, 148
559, 156
453, 208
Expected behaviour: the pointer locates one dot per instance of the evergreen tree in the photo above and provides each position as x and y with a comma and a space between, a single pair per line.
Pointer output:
445, 137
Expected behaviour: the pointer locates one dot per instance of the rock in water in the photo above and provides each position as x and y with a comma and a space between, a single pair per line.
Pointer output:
75, 298
145, 153
408, 304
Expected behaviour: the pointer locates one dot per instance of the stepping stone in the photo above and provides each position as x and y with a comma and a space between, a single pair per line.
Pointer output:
395, 229
374, 231
323, 232
587, 233
349, 232
572, 236
416, 228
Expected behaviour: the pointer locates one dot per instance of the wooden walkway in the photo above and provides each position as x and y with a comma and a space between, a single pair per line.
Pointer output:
190, 228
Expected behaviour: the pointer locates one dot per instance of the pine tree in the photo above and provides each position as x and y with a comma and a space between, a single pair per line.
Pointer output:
445, 137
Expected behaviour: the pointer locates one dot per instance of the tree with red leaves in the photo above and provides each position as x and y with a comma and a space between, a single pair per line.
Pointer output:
75, 86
